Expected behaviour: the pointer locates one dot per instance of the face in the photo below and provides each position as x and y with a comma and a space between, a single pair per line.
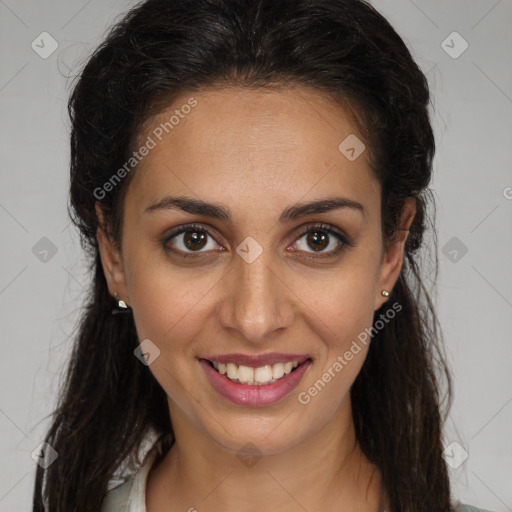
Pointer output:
257, 273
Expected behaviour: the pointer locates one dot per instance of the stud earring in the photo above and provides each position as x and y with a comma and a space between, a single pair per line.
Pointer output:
384, 293
121, 306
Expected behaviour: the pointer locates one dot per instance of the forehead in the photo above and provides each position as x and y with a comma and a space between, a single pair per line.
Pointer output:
266, 144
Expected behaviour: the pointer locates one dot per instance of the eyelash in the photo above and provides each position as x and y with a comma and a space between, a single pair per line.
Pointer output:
344, 241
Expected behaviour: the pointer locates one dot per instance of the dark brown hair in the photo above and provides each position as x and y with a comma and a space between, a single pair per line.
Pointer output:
162, 48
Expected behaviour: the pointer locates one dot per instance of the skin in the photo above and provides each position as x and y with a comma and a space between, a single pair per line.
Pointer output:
256, 153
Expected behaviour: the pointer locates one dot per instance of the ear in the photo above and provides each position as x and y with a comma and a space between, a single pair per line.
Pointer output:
111, 259
393, 257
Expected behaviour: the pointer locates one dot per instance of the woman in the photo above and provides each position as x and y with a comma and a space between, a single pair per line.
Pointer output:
250, 180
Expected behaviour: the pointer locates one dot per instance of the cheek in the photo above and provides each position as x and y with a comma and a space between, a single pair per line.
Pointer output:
343, 323
343, 305
170, 311
167, 304
346, 342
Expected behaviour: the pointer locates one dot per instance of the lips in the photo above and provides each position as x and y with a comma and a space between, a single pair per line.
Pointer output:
255, 394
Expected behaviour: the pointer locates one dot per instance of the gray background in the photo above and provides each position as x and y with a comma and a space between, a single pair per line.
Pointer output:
472, 109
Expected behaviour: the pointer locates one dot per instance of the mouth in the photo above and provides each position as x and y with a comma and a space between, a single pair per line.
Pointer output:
257, 376
255, 386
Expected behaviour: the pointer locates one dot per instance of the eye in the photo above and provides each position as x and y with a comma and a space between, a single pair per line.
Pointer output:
321, 237
190, 238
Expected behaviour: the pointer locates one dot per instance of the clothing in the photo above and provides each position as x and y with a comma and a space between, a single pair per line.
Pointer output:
130, 496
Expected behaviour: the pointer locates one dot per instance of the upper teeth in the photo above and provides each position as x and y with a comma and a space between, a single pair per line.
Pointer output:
255, 376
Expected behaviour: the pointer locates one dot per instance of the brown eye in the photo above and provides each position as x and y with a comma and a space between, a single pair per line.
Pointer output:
190, 239
194, 240
321, 239
318, 240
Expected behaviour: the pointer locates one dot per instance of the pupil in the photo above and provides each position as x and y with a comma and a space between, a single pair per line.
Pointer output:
192, 238
318, 239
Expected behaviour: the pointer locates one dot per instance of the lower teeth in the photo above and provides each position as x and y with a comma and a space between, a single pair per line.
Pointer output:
254, 383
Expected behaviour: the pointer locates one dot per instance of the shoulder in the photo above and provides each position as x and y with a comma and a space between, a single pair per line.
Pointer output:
130, 495
118, 498
468, 508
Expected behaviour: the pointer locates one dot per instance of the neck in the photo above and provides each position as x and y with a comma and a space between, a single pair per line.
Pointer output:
326, 472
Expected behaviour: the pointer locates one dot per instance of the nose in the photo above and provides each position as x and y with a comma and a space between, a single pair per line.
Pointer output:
256, 302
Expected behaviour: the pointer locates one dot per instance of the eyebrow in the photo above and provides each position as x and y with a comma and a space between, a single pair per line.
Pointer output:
218, 211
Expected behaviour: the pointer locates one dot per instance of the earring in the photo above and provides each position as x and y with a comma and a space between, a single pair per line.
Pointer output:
384, 293
121, 306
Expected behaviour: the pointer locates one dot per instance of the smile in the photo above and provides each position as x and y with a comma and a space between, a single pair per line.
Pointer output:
255, 386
